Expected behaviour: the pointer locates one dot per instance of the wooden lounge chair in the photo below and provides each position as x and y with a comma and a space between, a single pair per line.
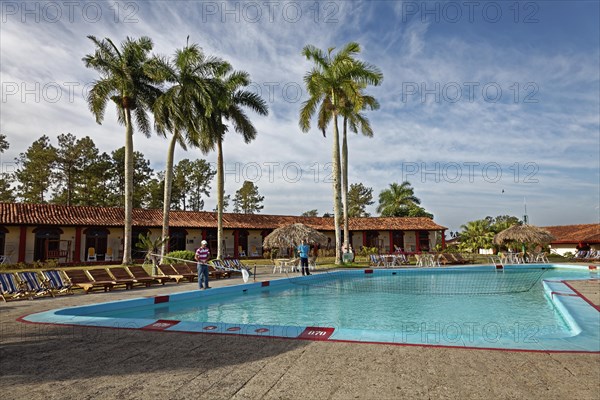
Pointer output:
79, 278
185, 271
168, 271
10, 288
34, 286
445, 259
57, 284
121, 275
458, 258
140, 274
102, 275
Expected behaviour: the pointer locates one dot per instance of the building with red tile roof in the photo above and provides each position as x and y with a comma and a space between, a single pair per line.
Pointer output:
31, 232
567, 237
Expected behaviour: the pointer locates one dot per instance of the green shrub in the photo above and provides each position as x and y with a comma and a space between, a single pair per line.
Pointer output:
180, 254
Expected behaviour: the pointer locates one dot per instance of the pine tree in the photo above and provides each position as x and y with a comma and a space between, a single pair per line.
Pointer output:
35, 174
247, 200
359, 197
310, 213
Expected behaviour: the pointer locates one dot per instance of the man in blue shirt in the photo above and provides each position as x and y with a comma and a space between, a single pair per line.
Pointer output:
303, 251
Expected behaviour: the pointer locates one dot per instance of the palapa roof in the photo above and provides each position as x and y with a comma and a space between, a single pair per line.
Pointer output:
292, 235
60, 215
565, 234
523, 234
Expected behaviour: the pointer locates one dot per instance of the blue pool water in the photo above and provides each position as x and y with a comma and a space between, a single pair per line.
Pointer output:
468, 307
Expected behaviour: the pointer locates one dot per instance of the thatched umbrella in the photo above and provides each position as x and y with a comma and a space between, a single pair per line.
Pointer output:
523, 234
292, 235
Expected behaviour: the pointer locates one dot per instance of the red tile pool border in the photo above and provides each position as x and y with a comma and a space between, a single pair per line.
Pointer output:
582, 296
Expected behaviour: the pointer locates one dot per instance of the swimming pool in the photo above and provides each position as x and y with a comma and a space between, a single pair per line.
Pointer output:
520, 307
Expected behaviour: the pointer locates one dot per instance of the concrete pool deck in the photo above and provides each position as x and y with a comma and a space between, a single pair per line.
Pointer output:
63, 362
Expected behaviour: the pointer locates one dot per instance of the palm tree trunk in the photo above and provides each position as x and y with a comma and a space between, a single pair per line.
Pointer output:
345, 183
220, 194
167, 196
128, 188
337, 189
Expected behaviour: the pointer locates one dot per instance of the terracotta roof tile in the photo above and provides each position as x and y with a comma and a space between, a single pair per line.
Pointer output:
51, 214
589, 233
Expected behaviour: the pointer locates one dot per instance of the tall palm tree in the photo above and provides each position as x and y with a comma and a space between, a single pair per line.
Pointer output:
355, 121
182, 108
332, 82
124, 79
229, 99
397, 200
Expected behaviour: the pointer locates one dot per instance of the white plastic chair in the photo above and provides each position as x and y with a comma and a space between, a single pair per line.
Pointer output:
109, 255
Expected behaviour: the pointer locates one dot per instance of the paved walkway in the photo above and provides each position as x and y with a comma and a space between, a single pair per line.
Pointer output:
57, 362
588, 289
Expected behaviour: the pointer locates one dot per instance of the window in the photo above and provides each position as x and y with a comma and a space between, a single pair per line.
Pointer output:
177, 239
423, 237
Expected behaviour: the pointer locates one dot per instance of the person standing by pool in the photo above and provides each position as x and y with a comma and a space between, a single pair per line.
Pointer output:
303, 251
202, 256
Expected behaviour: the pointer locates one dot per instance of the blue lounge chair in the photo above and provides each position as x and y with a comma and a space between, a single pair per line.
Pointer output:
34, 286
57, 284
237, 265
10, 288
375, 260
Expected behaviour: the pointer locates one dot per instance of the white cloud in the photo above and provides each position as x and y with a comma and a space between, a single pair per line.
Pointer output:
560, 134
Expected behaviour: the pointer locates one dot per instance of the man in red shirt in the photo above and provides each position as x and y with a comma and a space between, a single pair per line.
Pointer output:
202, 256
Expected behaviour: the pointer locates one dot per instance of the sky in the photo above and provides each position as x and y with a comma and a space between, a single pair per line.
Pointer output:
487, 108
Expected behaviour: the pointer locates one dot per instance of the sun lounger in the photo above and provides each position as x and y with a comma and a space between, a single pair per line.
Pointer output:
581, 255
102, 275
121, 275
375, 260
56, 282
168, 271
217, 273
237, 264
185, 271
79, 278
140, 274
458, 258
35, 287
10, 288
219, 269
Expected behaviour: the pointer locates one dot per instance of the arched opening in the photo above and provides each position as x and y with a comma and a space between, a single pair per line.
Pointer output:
46, 239
398, 241
243, 241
